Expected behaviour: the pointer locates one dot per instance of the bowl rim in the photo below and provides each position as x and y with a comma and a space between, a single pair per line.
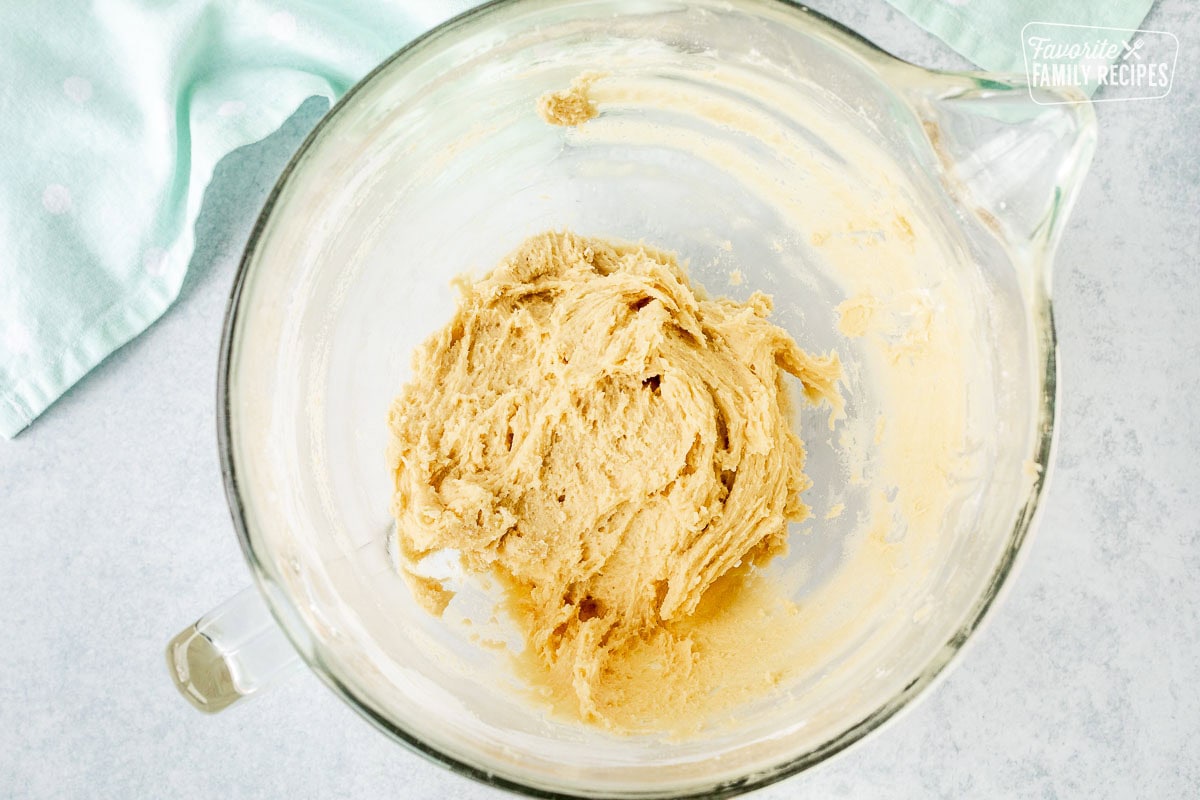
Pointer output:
280, 605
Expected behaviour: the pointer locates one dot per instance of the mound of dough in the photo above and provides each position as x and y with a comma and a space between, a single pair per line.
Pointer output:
609, 442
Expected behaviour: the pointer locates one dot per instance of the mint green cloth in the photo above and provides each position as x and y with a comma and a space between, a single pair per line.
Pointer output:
112, 116
114, 113
988, 32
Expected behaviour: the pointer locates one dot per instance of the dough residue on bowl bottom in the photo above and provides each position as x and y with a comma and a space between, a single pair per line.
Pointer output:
617, 449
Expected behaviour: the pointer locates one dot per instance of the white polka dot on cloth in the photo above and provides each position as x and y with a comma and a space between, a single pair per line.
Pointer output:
231, 108
282, 26
56, 199
154, 261
78, 89
17, 338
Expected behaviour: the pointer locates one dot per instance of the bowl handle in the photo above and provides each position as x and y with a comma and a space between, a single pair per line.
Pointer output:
234, 651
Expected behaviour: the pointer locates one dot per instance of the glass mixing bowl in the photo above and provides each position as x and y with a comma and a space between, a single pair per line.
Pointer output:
902, 217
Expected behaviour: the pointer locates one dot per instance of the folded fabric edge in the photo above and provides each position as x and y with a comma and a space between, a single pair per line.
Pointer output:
128, 317
986, 49
981, 48
124, 320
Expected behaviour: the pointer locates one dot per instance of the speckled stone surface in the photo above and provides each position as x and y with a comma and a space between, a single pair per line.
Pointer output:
1084, 684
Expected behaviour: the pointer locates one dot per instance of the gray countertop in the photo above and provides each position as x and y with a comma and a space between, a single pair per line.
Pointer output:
1084, 683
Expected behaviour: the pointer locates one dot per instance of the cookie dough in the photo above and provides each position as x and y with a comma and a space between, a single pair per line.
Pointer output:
611, 444
571, 106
